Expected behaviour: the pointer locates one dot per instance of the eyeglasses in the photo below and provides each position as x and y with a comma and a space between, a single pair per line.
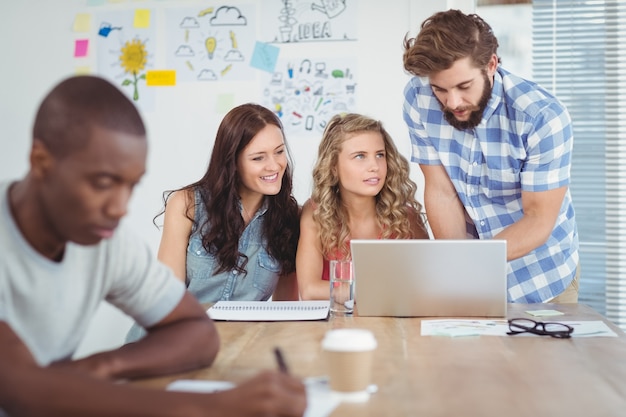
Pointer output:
554, 329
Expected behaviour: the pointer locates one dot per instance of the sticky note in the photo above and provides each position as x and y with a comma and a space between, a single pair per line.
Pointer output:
82, 22
84, 70
80, 48
544, 313
142, 19
160, 78
225, 102
264, 56
95, 2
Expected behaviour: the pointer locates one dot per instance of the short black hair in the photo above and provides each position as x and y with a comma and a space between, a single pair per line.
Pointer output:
71, 109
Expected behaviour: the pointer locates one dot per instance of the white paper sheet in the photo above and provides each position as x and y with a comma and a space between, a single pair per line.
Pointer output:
320, 401
469, 327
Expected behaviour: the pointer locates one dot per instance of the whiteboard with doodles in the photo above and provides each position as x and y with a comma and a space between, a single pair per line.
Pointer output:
211, 43
305, 93
294, 21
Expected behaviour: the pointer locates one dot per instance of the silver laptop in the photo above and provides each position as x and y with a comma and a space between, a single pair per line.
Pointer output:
430, 278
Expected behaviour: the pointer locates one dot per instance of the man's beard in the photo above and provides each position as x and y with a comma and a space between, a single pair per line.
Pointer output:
476, 114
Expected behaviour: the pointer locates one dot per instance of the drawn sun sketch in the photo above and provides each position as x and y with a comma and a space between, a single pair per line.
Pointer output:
211, 44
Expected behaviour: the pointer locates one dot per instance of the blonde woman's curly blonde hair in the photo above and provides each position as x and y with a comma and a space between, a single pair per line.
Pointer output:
394, 203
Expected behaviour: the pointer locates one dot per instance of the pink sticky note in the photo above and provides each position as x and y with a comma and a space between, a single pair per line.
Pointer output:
80, 47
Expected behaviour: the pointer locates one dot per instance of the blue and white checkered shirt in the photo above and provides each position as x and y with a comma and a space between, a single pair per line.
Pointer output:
523, 143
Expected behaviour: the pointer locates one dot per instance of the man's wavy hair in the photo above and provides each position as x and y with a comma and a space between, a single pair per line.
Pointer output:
446, 37
394, 203
218, 191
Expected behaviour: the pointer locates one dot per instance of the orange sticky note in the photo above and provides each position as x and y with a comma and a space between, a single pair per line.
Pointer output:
160, 78
81, 47
82, 22
142, 18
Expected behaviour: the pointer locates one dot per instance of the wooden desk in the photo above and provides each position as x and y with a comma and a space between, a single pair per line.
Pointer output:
442, 376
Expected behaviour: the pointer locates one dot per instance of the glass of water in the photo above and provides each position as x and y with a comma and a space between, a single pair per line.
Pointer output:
341, 287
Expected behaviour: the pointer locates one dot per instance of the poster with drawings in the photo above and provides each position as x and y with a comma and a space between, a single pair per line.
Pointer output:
292, 21
305, 93
125, 52
211, 43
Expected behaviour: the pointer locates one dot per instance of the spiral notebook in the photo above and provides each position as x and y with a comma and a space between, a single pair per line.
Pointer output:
270, 310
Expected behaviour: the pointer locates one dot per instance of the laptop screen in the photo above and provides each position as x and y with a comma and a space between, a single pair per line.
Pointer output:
430, 278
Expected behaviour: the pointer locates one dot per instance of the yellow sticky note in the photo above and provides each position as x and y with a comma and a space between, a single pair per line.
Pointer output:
85, 70
82, 22
159, 78
142, 18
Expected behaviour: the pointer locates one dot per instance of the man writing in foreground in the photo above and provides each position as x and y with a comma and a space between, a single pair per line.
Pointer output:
63, 253
495, 151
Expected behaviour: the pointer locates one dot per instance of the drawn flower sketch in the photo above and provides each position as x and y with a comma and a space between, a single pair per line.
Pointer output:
126, 55
133, 58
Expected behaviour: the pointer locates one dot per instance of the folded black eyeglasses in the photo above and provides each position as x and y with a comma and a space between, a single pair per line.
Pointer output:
541, 328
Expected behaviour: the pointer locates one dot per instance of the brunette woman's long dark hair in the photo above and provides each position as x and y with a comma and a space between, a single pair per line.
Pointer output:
220, 199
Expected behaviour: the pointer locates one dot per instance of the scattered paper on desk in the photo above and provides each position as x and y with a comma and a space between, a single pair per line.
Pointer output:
590, 329
198, 385
469, 327
464, 327
320, 402
544, 313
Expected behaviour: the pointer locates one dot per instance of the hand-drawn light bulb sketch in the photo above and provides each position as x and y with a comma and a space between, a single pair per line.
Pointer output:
210, 43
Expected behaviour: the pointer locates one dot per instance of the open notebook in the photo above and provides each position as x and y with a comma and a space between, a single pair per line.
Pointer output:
269, 310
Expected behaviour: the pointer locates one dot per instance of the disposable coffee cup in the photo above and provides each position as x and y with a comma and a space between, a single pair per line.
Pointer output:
349, 354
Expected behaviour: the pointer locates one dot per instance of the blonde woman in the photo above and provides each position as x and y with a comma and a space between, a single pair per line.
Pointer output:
361, 190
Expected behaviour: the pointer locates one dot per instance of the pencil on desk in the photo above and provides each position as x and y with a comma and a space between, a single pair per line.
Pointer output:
282, 365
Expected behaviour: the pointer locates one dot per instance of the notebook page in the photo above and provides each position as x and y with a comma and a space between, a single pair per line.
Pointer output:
270, 310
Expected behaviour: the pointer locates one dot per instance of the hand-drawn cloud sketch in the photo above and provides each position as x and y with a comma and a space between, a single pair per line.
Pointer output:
189, 22
228, 16
233, 56
217, 48
288, 21
306, 93
184, 50
207, 75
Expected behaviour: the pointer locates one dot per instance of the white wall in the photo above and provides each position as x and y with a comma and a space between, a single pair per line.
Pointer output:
37, 51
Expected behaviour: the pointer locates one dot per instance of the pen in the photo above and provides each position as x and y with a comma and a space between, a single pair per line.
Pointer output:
282, 365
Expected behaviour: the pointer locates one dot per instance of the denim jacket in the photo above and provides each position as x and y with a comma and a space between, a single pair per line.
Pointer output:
262, 270
257, 285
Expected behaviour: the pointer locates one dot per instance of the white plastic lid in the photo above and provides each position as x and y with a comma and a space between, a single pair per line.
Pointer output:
349, 340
